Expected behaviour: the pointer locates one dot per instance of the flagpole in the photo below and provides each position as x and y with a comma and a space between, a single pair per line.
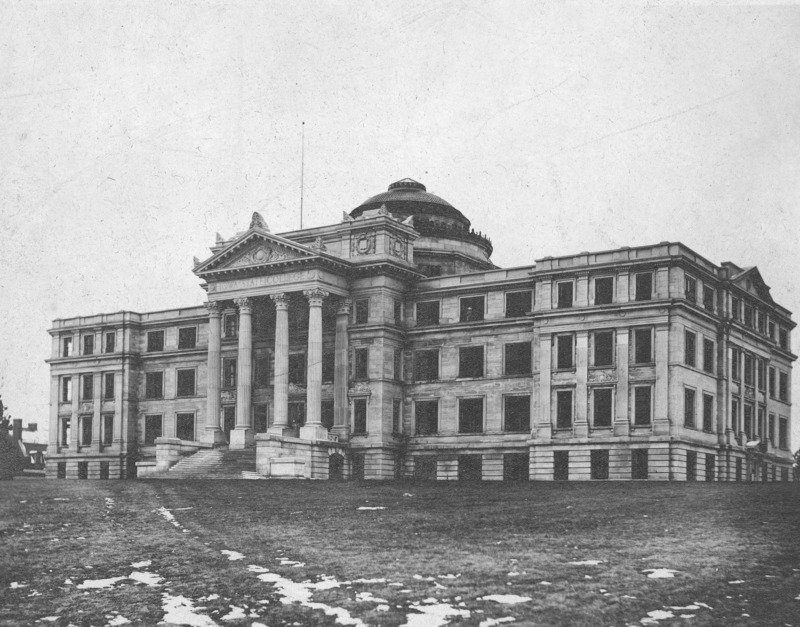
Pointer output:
302, 168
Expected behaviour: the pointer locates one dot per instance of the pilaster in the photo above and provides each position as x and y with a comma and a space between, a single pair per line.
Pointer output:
622, 419
341, 410
581, 379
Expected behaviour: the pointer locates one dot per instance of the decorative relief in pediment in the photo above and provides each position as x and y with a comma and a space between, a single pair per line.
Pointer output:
263, 253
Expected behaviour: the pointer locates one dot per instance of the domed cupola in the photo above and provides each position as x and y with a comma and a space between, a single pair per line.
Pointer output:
447, 244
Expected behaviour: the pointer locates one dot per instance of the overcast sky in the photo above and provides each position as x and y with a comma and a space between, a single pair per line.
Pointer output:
132, 132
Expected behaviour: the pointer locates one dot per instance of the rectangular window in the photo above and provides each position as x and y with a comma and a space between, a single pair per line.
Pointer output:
397, 364
184, 426
326, 413
761, 379
88, 344
111, 341
66, 347
708, 298
599, 464
397, 415
426, 365
738, 469
186, 382
516, 466
708, 413
689, 409
398, 312
470, 467
761, 321
297, 368
783, 339
735, 364
771, 330
736, 308
86, 430
783, 387
472, 308
708, 355
748, 369
470, 415
65, 430
560, 465
761, 419
108, 386
66, 389
154, 385
229, 372
107, 436
518, 358
517, 413
711, 463
425, 467
691, 466
518, 304
155, 341
426, 417
564, 409
771, 381
603, 348
152, 428
602, 406
564, 352
639, 463
642, 405
771, 427
104, 469
361, 364
362, 311
87, 387
644, 286
604, 290
83, 470
428, 313
690, 289
748, 315
689, 348
187, 337
783, 433
261, 370
642, 346
565, 298
748, 421
230, 323
470, 362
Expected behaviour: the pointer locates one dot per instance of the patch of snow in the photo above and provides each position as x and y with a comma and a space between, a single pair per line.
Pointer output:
433, 615
367, 597
447, 576
59, 498
381, 580
235, 614
396, 585
490, 622
253, 568
736, 582
119, 620
232, 555
509, 599
68, 581
545, 583
23, 501
708, 607
257, 625
142, 564
688, 615
421, 578
370, 508
678, 608
288, 562
180, 611
587, 577
15, 584
382, 608
660, 573
404, 494
586, 563
149, 579
655, 616
513, 573
167, 515
326, 583
50, 619
99, 583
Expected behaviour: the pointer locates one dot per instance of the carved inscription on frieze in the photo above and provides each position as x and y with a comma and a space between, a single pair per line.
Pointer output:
262, 281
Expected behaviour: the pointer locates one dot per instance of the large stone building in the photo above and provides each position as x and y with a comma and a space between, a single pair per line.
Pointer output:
390, 345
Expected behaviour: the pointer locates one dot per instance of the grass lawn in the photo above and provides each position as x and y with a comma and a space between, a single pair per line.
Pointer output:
429, 557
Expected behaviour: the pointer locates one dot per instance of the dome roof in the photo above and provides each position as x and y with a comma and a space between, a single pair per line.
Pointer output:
408, 197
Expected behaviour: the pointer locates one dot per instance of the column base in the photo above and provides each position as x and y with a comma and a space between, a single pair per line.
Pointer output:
342, 431
242, 437
282, 431
313, 432
214, 436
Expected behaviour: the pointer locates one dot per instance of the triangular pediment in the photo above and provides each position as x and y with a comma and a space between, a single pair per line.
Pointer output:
254, 248
750, 280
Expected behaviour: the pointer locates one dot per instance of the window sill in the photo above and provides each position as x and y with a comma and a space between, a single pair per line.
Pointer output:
603, 367
602, 427
468, 378
643, 427
568, 369
643, 364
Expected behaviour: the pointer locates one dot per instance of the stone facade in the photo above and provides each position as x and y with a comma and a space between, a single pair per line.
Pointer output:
389, 345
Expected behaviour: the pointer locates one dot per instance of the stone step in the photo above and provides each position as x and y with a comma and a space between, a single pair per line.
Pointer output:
217, 463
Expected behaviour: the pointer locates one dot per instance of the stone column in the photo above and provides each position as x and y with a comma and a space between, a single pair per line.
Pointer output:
280, 423
313, 429
243, 434
213, 432
341, 410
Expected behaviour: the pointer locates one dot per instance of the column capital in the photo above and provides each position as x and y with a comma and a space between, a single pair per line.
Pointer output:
244, 304
345, 305
280, 300
214, 308
315, 296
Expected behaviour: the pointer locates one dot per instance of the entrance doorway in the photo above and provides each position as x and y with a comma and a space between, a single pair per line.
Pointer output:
228, 420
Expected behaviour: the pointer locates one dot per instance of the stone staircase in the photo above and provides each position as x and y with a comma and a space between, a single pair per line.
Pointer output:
218, 463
